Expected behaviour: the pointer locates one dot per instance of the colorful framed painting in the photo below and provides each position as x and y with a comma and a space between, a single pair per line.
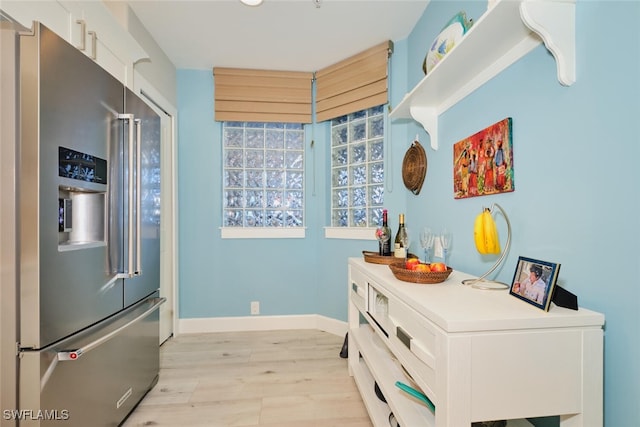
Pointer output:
483, 162
534, 281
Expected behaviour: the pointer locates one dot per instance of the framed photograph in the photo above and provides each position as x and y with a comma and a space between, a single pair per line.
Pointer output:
483, 162
534, 281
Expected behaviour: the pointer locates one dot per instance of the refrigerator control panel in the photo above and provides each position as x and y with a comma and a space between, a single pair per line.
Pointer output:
81, 166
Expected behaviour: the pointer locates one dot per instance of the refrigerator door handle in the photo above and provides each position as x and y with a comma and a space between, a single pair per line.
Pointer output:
130, 185
138, 269
77, 353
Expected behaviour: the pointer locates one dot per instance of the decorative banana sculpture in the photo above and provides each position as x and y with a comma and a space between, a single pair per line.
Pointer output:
485, 233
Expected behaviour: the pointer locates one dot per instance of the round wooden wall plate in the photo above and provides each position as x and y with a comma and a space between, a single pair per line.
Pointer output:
414, 167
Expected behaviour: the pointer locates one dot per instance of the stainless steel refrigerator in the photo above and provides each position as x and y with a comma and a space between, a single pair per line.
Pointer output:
81, 218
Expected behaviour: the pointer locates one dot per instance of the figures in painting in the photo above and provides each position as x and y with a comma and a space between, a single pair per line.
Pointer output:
473, 174
501, 168
483, 163
489, 176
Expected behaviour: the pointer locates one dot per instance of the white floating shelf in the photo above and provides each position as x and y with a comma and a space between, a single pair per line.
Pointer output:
504, 34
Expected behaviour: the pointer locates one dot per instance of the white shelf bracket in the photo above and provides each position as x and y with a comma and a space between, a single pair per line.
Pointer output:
428, 118
554, 22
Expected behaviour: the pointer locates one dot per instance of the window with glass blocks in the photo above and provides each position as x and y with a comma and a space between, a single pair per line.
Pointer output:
357, 169
263, 174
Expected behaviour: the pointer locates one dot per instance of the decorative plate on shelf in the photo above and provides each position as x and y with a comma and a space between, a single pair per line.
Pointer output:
451, 34
414, 167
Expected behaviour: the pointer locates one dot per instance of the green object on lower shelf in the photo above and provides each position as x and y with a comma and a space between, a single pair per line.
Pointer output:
415, 393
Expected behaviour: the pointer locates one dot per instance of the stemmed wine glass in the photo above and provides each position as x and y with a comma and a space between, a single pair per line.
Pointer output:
426, 242
445, 241
383, 234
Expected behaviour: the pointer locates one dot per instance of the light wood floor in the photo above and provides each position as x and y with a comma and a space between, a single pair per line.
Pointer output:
276, 378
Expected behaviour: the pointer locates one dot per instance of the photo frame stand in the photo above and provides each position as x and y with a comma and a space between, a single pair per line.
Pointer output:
563, 298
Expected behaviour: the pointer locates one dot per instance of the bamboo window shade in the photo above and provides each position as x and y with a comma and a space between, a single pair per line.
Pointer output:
246, 95
354, 84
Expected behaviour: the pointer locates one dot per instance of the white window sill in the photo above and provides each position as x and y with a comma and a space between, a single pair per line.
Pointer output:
262, 233
359, 233
353, 233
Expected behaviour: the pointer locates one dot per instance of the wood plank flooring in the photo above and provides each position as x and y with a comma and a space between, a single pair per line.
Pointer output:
287, 378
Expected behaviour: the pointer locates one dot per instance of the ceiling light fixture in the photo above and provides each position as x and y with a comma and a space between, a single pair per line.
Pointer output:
251, 2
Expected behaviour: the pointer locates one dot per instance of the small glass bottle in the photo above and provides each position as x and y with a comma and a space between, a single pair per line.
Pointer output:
401, 235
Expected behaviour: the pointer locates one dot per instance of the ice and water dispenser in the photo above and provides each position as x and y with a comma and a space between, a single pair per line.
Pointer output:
82, 195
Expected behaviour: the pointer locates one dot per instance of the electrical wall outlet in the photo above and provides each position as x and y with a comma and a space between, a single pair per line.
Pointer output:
255, 307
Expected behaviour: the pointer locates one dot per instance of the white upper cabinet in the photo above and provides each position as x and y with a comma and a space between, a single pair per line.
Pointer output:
87, 25
96, 32
504, 34
50, 13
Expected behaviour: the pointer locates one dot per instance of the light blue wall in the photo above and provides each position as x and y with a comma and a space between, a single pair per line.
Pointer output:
220, 277
576, 197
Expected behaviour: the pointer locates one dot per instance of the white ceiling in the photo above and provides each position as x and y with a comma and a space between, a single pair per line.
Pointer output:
292, 35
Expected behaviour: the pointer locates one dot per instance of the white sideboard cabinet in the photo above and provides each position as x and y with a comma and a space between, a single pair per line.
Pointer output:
478, 355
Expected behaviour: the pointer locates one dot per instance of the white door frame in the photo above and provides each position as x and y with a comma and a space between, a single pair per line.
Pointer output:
169, 276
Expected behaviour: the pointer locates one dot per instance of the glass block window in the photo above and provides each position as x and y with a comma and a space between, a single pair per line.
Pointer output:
357, 169
263, 174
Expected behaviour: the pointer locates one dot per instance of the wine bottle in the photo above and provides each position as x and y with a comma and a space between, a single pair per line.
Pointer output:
400, 251
385, 246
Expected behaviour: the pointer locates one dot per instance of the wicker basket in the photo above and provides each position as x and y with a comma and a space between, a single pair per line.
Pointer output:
414, 167
413, 276
376, 258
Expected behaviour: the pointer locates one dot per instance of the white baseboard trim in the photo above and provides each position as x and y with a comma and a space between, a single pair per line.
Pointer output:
262, 323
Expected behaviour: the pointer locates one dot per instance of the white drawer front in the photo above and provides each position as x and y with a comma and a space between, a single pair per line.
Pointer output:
358, 288
415, 340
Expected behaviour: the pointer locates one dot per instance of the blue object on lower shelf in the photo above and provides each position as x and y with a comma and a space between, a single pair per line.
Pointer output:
417, 394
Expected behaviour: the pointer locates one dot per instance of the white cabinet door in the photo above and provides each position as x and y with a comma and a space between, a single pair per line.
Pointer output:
87, 25
51, 13
87, 32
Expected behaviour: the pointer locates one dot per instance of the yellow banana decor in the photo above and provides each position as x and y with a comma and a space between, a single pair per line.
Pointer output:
485, 233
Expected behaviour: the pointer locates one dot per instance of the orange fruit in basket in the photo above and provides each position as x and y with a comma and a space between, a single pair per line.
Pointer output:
411, 263
423, 267
438, 266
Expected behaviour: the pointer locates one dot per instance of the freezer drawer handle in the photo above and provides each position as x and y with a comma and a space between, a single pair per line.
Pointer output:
76, 354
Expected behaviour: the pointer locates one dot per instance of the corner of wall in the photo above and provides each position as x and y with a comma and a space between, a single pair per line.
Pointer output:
159, 70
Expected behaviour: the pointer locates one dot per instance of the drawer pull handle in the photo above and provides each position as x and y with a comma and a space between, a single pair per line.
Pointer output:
404, 337
414, 347
357, 289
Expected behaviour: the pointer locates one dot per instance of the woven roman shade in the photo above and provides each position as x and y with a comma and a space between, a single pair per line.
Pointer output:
354, 84
245, 95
